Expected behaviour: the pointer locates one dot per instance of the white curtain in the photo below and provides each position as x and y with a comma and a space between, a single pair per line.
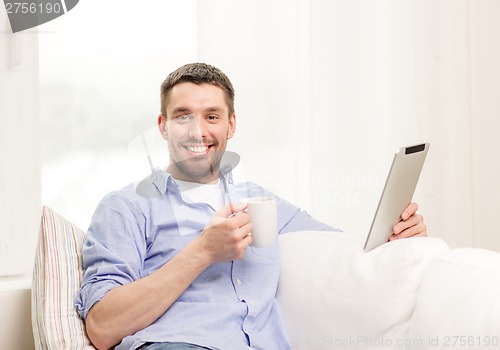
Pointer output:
327, 90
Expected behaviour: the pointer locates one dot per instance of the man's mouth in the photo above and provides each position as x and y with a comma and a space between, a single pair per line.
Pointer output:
198, 150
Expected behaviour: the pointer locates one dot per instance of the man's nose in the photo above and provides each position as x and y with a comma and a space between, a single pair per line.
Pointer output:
198, 128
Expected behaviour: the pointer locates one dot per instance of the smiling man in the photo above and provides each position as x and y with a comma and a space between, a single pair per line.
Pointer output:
196, 121
174, 269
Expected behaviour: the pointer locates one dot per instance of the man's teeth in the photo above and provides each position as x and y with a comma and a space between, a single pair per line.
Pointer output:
198, 149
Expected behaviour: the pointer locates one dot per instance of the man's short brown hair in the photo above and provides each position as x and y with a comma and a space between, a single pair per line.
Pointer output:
197, 73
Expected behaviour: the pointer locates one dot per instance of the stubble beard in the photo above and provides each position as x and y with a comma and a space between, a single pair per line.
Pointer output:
197, 168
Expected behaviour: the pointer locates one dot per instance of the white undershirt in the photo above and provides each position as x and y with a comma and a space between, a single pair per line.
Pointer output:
193, 192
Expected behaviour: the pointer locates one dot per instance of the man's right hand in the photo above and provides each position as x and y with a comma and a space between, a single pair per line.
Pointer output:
226, 237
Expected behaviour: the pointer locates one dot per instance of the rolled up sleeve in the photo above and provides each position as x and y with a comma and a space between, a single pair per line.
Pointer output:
114, 250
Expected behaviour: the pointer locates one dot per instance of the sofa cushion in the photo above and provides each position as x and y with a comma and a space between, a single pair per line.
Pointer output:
459, 301
57, 277
334, 295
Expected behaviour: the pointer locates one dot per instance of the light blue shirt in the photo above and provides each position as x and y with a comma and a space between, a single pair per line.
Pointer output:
231, 305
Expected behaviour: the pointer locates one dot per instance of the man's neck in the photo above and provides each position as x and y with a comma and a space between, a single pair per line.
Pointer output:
209, 179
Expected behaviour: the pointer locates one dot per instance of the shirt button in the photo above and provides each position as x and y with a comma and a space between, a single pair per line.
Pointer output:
238, 282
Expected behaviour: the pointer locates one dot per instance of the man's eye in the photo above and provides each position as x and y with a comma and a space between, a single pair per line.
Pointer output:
184, 118
212, 117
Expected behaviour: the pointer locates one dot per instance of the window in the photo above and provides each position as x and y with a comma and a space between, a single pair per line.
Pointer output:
101, 67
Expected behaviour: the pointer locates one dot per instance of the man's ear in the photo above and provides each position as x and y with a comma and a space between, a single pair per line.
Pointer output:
232, 126
162, 126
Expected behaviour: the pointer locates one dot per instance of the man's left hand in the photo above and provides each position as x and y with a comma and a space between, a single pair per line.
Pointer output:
411, 224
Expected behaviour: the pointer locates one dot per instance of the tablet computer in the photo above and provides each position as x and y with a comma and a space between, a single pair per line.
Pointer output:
397, 194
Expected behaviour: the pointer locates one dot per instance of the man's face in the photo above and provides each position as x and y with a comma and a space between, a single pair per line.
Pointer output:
197, 127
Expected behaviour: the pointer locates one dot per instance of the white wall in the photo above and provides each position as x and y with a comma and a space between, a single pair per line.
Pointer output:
484, 57
258, 49
19, 147
15, 318
327, 90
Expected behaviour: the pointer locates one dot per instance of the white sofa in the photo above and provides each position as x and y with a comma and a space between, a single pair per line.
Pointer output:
409, 294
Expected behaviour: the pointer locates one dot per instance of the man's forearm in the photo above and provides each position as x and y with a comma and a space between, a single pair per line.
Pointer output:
129, 308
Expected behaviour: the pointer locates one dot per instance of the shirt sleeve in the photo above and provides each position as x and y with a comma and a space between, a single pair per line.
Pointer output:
113, 252
290, 217
302, 221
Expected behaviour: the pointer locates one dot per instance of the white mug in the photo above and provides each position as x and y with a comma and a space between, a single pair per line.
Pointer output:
263, 215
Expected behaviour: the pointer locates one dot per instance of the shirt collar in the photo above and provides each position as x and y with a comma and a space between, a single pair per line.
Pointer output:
164, 181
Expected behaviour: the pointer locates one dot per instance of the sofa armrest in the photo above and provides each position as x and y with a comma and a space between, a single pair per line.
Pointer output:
15, 317
458, 303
